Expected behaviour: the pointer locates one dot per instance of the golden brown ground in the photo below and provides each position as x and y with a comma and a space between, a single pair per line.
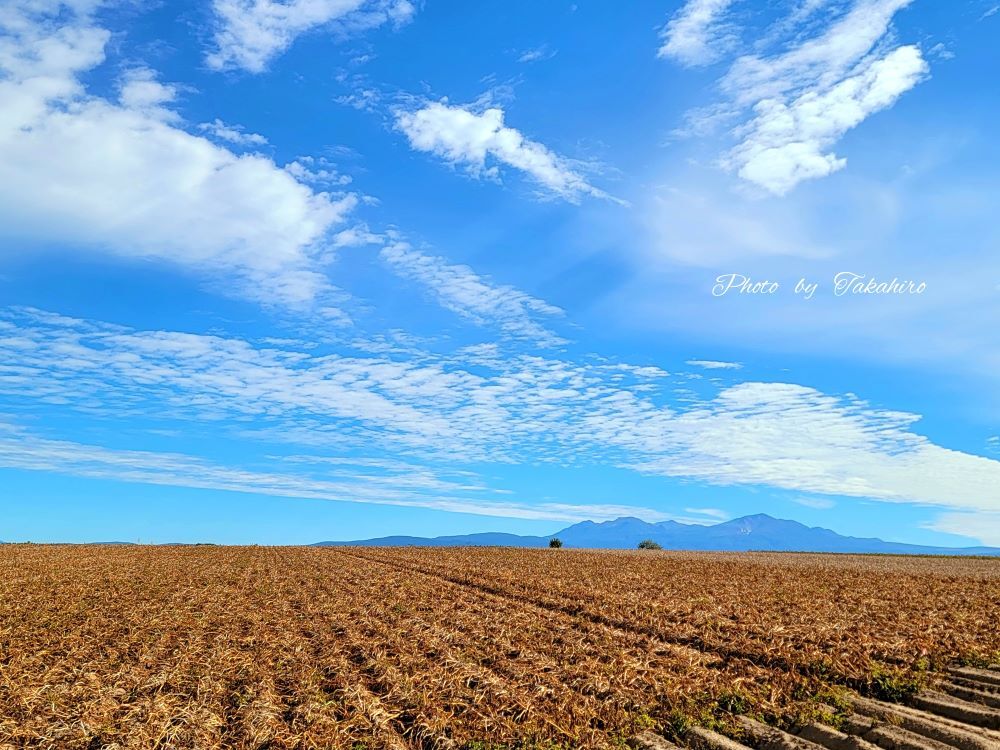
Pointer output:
205, 647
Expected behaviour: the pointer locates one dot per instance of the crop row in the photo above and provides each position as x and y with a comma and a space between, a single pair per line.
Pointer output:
797, 612
200, 647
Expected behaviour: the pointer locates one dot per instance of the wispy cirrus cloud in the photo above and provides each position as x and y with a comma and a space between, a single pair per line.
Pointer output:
982, 526
476, 406
461, 290
711, 364
25, 451
816, 503
536, 54
713, 513
696, 35
821, 60
478, 140
251, 33
125, 177
797, 438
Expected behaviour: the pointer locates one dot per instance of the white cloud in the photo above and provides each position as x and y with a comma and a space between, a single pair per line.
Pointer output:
797, 102
788, 143
363, 98
251, 33
818, 503
819, 62
25, 451
940, 51
536, 54
138, 90
695, 35
797, 438
125, 178
715, 513
487, 406
984, 527
234, 134
480, 140
316, 171
709, 364
461, 290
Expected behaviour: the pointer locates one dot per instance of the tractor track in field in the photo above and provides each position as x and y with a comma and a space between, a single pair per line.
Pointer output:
397, 649
723, 654
571, 617
961, 712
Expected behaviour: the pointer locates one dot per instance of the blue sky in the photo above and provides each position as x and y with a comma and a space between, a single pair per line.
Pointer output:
331, 269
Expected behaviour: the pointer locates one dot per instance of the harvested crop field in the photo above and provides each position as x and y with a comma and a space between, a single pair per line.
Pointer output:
206, 647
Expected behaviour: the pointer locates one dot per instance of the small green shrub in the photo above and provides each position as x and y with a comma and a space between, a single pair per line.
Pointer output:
978, 660
649, 544
894, 685
733, 703
677, 725
555, 542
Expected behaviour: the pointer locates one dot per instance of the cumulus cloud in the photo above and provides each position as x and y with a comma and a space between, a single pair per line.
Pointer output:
788, 143
250, 33
696, 35
140, 91
480, 142
804, 99
125, 177
793, 104
459, 289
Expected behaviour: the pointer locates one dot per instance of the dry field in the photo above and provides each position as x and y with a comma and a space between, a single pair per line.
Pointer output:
203, 647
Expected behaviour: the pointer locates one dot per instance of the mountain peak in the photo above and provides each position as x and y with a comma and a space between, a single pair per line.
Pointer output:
756, 532
759, 518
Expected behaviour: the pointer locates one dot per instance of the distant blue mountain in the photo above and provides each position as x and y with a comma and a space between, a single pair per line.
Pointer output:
750, 533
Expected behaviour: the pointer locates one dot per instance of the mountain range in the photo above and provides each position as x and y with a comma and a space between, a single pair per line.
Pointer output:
759, 532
